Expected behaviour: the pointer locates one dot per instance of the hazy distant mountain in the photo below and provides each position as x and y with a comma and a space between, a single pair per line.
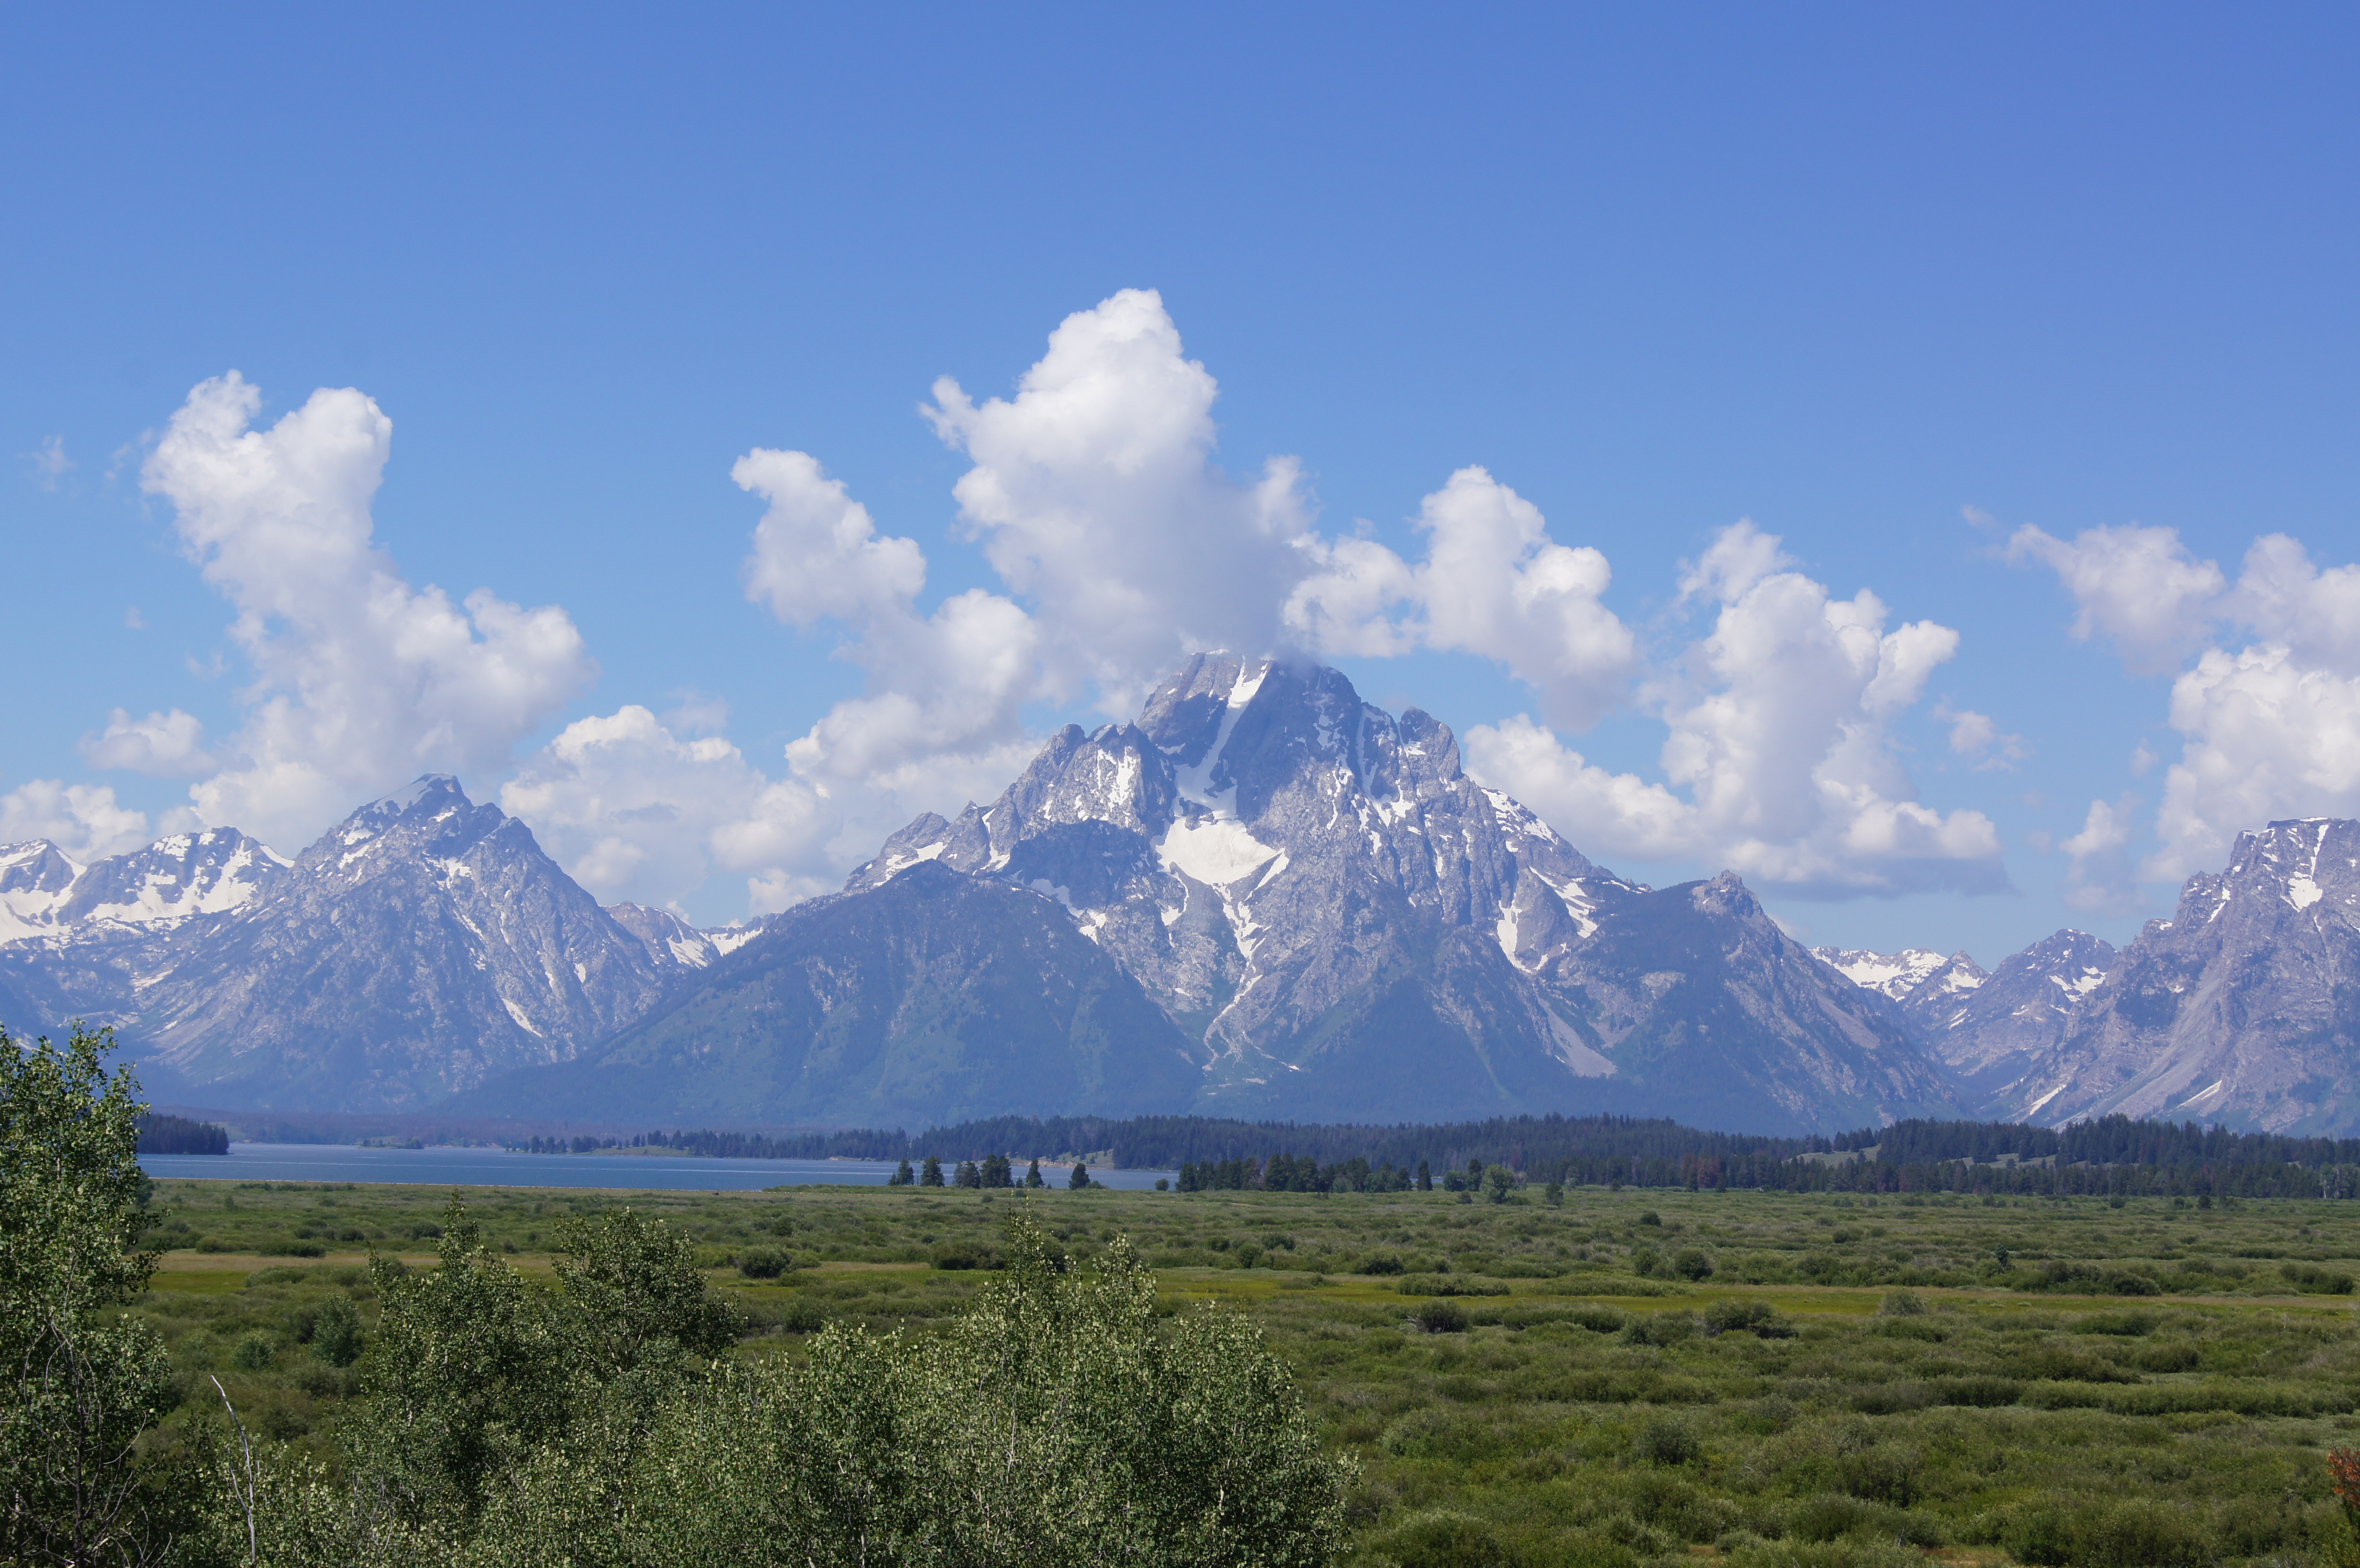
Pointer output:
2242, 1009
1991, 1036
673, 944
939, 997
45, 895
1892, 975
420, 945
1326, 918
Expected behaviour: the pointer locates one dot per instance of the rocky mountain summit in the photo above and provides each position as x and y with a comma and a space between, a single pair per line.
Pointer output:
1340, 923
1990, 1037
1261, 897
2244, 1007
45, 895
420, 945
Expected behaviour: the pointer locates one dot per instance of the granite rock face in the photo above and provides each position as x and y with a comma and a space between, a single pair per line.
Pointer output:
1991, 1035
1342, 924
420, 945
933, 997
2242, 1008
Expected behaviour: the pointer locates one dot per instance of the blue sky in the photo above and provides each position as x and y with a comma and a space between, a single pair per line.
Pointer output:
1894, 284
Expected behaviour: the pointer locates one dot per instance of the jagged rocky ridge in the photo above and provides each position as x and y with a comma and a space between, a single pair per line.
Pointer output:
2242, 1008
1331, 920
422, 945
1263, 898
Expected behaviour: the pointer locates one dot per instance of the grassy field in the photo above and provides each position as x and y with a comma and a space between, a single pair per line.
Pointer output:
1629, 1377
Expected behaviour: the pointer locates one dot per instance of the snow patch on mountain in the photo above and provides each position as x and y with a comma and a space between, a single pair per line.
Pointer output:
1892, 974
1216, 851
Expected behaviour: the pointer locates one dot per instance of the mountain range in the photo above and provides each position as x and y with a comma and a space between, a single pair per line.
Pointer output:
1263, 898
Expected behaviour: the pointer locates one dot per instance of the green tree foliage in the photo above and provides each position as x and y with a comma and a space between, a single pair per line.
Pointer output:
1060, 1421
336, 1332
1033, 1178
469, 1380
932, 1176
84, 1382
1080, 1178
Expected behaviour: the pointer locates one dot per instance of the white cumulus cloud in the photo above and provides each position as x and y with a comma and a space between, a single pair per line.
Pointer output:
2268, 707
2138, 587
1779, 761
636, 812
168, 743
2101, 879
361, 681
84, 820
1097, 498
1493, 583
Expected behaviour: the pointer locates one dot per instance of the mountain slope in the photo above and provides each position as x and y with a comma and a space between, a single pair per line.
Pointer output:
2242, 1008
1715, 1015
932, 997
422, 945
1991, 1036
1344, 924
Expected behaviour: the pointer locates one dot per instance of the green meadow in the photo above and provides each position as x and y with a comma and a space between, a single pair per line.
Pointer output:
1623, 1378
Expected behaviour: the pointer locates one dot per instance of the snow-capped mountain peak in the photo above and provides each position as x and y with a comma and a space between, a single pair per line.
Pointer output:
36, 878
44, 896
1889, 975
1301, 880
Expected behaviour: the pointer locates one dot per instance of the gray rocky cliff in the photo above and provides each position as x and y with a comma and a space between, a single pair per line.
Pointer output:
420, 945
1342, 924
2242, 1008
1991, 1035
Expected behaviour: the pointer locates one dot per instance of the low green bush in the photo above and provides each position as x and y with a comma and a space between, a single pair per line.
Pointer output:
1446, 1285
1440, 1315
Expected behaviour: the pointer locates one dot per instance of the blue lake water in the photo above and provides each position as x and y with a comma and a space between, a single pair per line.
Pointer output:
497, 1168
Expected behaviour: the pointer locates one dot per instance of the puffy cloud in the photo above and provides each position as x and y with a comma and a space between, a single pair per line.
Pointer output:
1096, 497
945, 684
1606, 813
84, 820
1493, 584
2269, 736
361, 681
171, 745
2269, 720
1739, 556
639, 808
1978, 739
2138, 587
2101, 878
635, 811
816, 553
1779, 724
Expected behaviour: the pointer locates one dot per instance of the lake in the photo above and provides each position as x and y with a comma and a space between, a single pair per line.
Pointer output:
498, 1168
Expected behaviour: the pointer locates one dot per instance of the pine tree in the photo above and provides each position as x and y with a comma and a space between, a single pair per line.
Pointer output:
1033, 1178
902, 1177
932, 1176
1080, 1178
